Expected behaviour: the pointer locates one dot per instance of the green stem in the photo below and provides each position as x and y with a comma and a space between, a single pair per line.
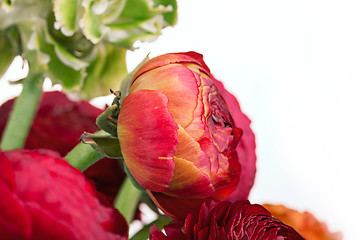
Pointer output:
83, 156
127, 200
23, 113
143, 234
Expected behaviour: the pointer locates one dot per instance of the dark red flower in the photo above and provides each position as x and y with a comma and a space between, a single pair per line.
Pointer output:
43, 197
58, 125
225, 220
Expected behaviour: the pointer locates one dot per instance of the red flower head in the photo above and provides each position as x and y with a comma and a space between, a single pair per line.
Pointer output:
224, 221
58, 124
183, 136
43, 197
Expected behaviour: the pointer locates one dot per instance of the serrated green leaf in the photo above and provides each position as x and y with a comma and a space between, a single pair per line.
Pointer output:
91, 25
140, 20
47, 50
171, 16
146, 9
135, 9
114, 10
125, 34
65, 13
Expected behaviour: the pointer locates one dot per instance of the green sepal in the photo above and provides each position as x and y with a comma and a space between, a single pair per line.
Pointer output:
107, 121
125, 83
105, 144
132, 179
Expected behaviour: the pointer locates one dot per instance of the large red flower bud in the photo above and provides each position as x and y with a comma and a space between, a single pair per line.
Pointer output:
225, 220
43, 197
183, 136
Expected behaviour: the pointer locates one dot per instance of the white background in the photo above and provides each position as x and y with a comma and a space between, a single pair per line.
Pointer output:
295, 68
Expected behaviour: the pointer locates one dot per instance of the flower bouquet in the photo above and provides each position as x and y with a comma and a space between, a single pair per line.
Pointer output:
173, 139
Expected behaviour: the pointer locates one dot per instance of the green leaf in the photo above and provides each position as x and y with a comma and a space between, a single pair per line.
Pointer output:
137, 9
91, 24
113, 12
61, 66
171, 16
141, 20
105, 72
106, 144
65, 12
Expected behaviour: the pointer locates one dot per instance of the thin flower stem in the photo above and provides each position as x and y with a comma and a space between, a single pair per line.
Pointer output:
83, 156
143, 234
127, 200
23, 113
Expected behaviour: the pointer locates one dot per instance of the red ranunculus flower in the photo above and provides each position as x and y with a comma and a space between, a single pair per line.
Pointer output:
184, 137
58, 124
43, 197
224, 221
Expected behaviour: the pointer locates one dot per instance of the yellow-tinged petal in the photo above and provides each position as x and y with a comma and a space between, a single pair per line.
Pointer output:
190, 150
189, 181
178, 83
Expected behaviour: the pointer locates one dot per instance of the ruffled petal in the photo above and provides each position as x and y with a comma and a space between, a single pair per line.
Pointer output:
246, 148
190, 150
148, 138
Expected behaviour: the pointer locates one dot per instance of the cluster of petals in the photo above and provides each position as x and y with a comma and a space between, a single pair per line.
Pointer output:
226, 221
43, 197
